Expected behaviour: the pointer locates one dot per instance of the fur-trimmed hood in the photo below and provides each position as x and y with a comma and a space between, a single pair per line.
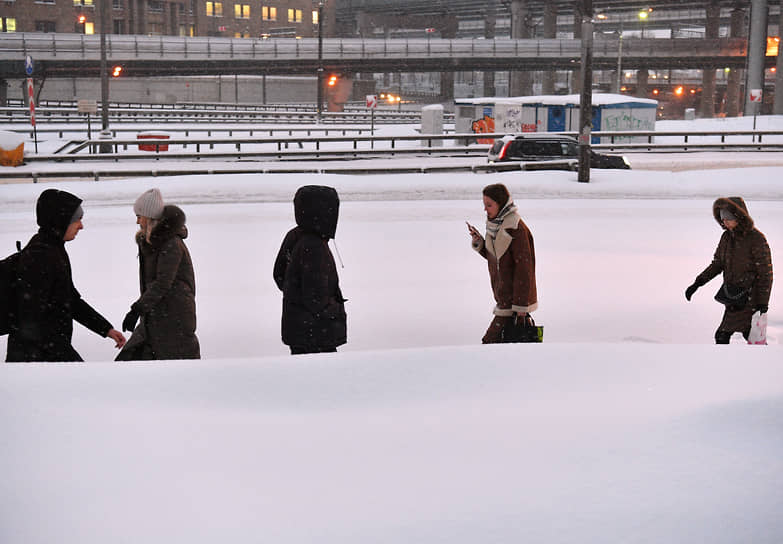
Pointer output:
171, 223
736, 205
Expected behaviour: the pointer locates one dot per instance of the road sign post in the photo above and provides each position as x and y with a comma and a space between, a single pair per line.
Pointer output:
371, 101
755, 96
31, 99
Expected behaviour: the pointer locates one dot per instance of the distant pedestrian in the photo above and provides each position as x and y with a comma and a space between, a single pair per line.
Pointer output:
744, 258
511, 260
167, 305
47, 301
314, 318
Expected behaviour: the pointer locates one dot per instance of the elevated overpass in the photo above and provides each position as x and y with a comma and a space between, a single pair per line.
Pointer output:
77, 55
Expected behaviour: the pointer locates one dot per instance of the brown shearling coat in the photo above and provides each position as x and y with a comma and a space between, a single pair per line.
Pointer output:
512, 273
744, 258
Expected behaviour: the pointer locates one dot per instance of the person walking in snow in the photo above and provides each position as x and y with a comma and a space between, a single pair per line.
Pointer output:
46, 300
314, 319
167, 305
744, 258
511, 260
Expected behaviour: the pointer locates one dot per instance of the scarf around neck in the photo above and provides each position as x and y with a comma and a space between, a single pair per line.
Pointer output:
497, 239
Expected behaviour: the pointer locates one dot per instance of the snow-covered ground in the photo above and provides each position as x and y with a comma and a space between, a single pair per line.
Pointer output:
626, 425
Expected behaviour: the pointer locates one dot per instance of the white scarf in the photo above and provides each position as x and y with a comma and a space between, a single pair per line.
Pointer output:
498, 239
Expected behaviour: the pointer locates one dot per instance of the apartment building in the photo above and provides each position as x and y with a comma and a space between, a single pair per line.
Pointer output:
226, 18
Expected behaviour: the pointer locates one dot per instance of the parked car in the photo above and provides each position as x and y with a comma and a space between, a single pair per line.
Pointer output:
548, 147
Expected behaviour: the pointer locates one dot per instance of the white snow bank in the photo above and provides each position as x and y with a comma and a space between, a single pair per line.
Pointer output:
526, 443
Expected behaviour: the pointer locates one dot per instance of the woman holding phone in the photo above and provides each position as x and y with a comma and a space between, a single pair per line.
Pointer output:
511, 260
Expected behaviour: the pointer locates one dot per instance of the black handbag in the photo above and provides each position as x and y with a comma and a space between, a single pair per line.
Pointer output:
522, 330
734, 297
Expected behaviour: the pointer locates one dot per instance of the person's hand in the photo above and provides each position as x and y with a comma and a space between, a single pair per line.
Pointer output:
474, 234
118, 338
690, 290
762, 309
129, 323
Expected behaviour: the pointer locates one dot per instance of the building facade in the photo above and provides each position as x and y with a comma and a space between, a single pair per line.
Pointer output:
226, 18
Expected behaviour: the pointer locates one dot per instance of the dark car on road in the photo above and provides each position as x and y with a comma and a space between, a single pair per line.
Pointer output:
548, 147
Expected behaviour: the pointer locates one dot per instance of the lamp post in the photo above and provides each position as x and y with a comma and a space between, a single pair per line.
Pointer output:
619, 60
104, 147
320, 78
643, 15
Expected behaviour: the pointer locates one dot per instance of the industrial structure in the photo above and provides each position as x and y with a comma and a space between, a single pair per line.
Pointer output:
742, 34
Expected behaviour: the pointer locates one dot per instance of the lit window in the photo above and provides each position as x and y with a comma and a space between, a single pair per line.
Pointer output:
241, 11
315, 16
268, 13
8, 24
83, 3
214, 9
89, 28
294, 15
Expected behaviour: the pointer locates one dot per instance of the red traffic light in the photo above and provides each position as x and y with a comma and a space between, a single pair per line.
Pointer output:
116, 71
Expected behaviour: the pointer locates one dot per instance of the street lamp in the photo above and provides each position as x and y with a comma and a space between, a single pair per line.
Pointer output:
619, 59
320, 78
643, 16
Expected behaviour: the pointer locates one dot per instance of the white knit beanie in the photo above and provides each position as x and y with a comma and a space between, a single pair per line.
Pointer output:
149, 204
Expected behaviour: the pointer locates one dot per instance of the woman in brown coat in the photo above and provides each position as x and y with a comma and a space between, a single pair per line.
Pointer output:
511, 260
744, 258
167, 305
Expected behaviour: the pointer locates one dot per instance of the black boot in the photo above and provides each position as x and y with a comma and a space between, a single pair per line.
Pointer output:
722, 337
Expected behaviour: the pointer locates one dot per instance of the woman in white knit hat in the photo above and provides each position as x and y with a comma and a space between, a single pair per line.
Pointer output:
166, 310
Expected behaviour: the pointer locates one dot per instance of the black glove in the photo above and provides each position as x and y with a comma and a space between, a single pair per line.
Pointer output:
690, 290
762, 309
129, 323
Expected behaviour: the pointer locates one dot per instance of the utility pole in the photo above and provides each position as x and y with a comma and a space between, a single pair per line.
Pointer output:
586, 99
757, 44
105, 134
320, 78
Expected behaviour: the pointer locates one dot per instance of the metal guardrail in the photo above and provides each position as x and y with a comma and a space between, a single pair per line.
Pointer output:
610, 141
167, 116
97, 174
282, 107
230, 130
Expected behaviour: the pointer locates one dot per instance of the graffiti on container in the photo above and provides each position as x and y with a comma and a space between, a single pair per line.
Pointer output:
620, 120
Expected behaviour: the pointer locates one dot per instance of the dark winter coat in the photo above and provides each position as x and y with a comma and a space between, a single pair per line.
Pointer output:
744, 258
313, 305
47, 300
167, 305
511, 262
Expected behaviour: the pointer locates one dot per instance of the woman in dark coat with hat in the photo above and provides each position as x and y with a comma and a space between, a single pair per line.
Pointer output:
744, 258
167, 305
314, 318
46, 300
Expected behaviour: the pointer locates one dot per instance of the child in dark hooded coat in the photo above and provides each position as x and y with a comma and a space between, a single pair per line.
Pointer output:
314, 318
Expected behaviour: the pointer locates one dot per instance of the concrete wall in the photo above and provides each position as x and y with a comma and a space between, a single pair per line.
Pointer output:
226, 89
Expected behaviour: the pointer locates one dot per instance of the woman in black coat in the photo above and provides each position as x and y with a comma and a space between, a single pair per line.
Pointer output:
167, 305
314, 318
46, 300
